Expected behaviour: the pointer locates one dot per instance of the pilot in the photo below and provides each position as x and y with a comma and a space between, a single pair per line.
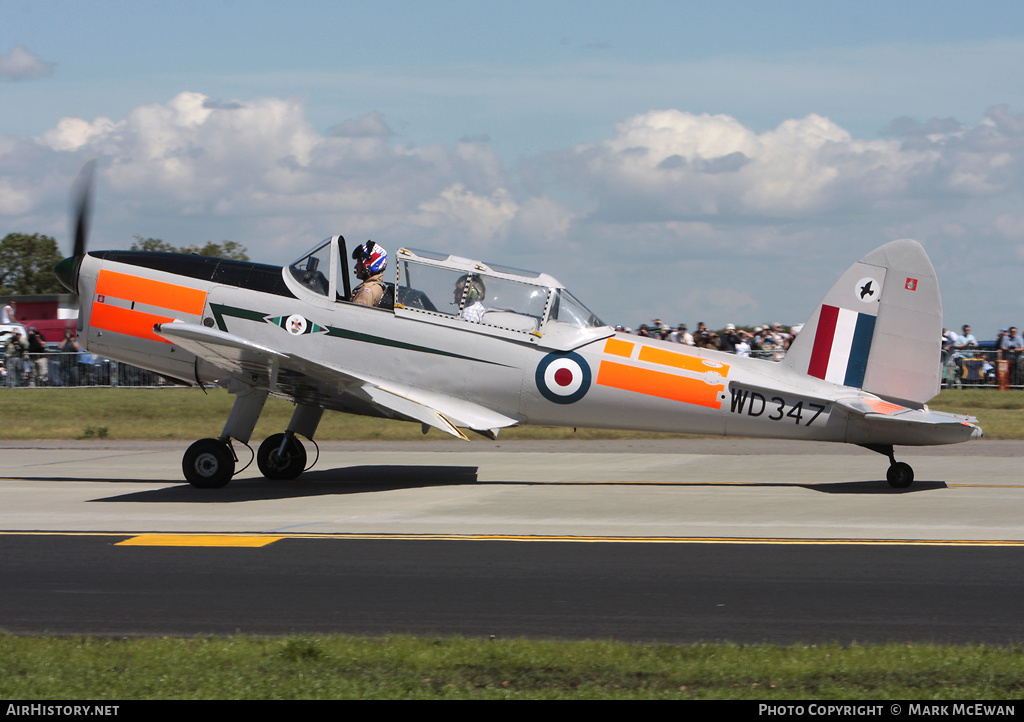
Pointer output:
371, 260
470, 289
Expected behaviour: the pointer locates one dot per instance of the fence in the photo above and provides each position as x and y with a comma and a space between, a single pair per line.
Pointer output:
981, 368
74, 369
977, 369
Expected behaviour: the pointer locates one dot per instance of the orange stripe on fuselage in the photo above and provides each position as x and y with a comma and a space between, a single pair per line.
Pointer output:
151, 293
124, 320
659, 383
618, 347
685, 361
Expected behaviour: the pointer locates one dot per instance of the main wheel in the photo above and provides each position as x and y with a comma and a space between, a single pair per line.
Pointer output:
282, 467
900, 475
208, 464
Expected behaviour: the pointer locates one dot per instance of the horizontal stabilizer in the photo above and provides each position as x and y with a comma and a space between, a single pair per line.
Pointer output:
877, 407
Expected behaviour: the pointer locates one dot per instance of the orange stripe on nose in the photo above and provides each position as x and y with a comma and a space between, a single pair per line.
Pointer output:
659, 383
124, 320
152, 293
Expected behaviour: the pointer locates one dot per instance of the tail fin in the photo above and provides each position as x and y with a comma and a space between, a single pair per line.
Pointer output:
879, 327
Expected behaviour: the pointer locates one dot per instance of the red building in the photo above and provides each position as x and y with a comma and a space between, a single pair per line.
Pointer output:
50, 313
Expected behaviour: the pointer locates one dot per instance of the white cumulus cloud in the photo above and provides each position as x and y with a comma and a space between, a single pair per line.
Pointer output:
21, 64
692, 212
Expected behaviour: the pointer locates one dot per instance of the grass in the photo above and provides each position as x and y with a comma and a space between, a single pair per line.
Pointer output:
337, 667
997, 411
189, 414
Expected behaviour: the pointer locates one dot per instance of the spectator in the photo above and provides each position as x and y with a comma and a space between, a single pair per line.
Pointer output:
965, 341
9, 313
743, 344
948, 342
68, 363
727, 341
1012, 345
37, 349
681, 335
704, 338
961, 347
16, 353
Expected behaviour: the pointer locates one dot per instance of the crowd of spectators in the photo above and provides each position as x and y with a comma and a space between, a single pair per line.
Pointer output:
771, 338
966, 360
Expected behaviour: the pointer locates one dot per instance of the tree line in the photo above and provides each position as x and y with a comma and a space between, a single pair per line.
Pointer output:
27, 260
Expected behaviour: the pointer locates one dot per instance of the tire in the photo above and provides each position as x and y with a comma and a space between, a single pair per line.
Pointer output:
900, 475
277, 467
208, 464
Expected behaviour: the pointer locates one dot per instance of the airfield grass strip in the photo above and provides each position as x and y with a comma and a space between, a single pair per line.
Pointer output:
402, 667
189, 414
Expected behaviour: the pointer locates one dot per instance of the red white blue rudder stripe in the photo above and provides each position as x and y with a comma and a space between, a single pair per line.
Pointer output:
842, 343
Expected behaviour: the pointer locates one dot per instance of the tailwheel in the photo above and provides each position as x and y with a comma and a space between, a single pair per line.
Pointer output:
281, 457
900, 475
208, 464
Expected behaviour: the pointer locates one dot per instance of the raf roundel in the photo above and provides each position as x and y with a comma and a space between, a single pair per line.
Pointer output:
563, 378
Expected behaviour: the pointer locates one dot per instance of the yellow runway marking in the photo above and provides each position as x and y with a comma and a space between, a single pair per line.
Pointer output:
198, 540
249, 540
667, 539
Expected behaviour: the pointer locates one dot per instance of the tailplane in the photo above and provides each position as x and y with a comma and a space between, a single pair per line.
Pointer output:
879, 327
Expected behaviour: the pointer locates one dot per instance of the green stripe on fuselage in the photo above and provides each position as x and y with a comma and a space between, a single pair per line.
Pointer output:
221, 312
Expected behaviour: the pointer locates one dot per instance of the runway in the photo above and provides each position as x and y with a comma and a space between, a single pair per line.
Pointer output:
681, 541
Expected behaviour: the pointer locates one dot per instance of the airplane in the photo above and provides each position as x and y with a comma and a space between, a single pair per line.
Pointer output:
461, 345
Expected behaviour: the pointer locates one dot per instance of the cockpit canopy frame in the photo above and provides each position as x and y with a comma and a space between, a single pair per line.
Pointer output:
450, 290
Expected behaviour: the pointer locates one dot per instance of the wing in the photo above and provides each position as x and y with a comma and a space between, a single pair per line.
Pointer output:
333, 387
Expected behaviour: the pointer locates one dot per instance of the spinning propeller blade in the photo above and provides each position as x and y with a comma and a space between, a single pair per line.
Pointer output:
67, 270
83, 196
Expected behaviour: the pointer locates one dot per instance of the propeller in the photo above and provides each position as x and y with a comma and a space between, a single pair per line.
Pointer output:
67, 270
83, 208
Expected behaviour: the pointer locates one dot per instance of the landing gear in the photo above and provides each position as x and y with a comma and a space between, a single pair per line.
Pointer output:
281, 457
208, 464
900, 475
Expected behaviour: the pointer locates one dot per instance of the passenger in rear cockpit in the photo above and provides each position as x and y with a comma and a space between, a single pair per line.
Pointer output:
469, 292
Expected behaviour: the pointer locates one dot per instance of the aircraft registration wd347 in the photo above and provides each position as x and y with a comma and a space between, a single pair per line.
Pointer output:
457, 344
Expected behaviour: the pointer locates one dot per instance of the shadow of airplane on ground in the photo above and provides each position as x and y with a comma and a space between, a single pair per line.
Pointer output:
347, 480
381, 478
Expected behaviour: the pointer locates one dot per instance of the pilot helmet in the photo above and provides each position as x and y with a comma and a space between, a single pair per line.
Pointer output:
370, 257
473, 287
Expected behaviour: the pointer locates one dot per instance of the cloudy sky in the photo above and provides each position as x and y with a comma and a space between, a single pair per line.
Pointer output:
692, 161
